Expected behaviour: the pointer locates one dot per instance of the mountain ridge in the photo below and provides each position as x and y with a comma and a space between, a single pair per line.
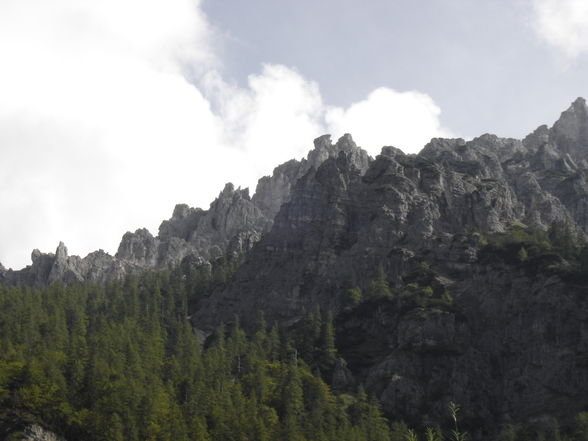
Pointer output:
141, 250
466, 265
347, 222
231, 225
498, 328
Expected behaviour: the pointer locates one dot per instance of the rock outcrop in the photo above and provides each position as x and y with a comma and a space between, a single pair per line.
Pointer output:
273, 191
570, 132
230, 227
512, 346
35, 432
343, 219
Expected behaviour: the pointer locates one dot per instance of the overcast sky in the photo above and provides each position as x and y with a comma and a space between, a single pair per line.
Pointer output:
113, 111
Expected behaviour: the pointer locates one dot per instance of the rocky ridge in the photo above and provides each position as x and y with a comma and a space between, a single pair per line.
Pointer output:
341, 221
233, 223
511, 347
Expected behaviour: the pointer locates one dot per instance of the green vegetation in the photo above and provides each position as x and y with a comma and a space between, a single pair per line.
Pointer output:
313, 340
557, 250
351, 298
379, 287
520, 242
200, 281
421, 288
548, 429
122, 362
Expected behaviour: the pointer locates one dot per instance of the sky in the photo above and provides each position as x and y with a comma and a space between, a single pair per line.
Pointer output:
112, 112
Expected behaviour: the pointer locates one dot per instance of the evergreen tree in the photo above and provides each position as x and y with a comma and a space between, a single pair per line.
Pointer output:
121, 361
328, 352
351, 298
292, 403
379, 287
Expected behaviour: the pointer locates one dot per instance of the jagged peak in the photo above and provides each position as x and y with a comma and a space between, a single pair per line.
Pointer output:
323, 146
487, 145
573, 122
346, 142
496, 144
324, 149
322, 142
391, 152
61, 251
35, 255
181, 211
440, 146
244, 193
537, 138
485, 137
577, 109
98, 253
579, 103
143, 232
572, 125
229, 191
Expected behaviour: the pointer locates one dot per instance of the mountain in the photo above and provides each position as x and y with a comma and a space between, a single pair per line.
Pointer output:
342, 222
456, 274
232, 224
513, 343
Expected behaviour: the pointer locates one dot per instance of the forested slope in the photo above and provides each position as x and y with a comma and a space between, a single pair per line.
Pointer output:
121, 362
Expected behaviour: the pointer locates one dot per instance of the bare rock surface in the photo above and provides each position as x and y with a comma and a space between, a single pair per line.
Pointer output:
513, 345
231, 226
38, 433
346, 216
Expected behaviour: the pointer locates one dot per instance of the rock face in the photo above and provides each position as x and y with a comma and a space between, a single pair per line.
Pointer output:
570, 132
37, 433
231, 219
343, 219
273, 191
513, 346
230, 227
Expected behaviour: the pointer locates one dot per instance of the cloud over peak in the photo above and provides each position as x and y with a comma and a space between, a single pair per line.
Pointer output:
407, 120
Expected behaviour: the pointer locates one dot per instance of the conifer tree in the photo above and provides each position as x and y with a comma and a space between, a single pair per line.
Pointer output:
122, 361
379, 287
292, 403
328, 352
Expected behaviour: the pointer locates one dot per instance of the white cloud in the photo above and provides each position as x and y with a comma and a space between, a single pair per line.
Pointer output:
407, 120
563, 24
103, 127
273, 120
98, 125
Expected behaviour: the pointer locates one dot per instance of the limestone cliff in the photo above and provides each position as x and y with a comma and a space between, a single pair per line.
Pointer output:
512, 345
233, 223
342, 221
